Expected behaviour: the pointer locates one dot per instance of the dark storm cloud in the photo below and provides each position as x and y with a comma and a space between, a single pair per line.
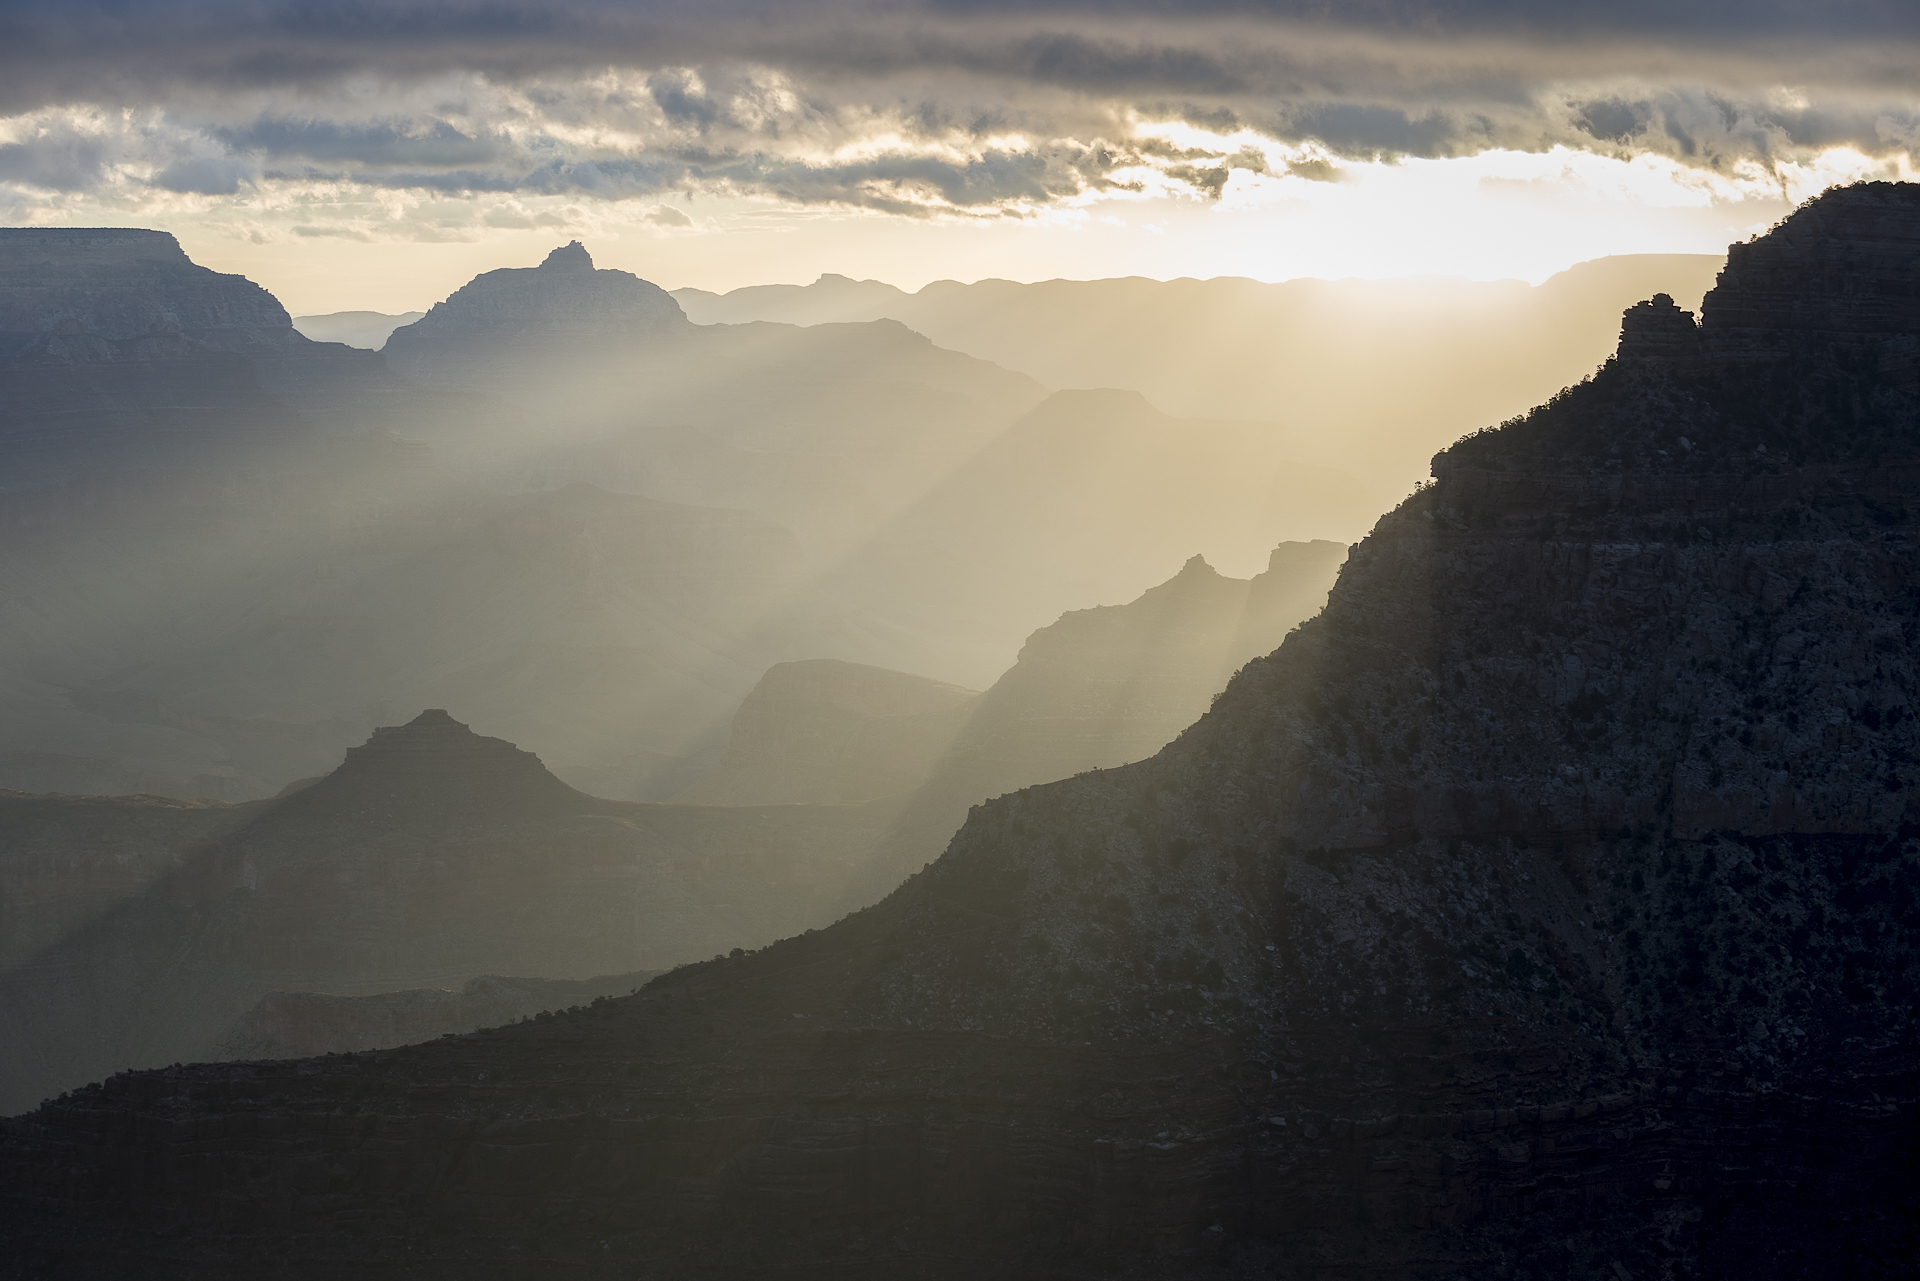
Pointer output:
632, 99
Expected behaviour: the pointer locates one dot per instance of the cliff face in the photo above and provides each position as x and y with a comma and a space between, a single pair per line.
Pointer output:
1545, 907
120, 283
116, 285
430, 856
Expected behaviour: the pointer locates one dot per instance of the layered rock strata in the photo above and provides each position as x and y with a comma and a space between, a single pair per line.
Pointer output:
101, 288
1545, 907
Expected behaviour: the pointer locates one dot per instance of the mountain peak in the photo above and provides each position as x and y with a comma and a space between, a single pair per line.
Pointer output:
436, 768
1657, 329
492, 328
572, 256
1197, 567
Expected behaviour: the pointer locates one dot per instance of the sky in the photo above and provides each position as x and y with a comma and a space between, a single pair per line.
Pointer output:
377, 153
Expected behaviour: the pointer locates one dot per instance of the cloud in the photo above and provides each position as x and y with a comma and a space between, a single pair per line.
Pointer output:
945, 107
205, 176
668, 216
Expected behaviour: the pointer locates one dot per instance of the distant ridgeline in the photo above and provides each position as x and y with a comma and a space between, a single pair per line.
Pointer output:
1546, 906
381, 903
550, 502
139, 931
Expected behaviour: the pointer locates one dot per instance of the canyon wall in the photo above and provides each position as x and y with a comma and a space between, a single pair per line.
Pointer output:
1544, 907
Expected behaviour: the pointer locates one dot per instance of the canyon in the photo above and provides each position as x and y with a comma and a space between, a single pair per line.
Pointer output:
229, 552
1544, 906
439, 881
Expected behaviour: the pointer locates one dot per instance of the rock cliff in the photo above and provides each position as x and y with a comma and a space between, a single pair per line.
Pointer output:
1545, 907
119, 284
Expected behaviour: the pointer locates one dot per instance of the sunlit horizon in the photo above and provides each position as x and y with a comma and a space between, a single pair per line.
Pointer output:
1498, 215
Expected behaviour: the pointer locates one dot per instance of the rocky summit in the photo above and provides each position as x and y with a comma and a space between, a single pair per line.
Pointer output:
1546, 907
527, 316
433, 771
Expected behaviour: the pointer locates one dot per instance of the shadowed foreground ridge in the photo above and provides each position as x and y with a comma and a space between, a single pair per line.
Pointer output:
1545, 907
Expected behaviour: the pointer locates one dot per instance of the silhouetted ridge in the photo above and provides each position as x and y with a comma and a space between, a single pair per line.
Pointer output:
1808, 352
563, 308
1844, 265
435, 769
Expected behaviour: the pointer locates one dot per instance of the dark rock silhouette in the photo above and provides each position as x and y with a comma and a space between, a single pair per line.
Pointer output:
122, 283
431, 772
1544, 907
572, 256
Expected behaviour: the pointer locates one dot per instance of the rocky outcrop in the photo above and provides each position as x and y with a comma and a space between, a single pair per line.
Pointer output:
563, 307
117, 285
430, 856
825, 731
1544, 907
293, 1025
432, 772
1838, 269
120, 283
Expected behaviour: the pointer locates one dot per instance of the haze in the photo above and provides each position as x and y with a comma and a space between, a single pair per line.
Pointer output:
1262, 638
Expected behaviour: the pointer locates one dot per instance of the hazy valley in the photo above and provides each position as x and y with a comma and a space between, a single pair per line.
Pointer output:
1106, 869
